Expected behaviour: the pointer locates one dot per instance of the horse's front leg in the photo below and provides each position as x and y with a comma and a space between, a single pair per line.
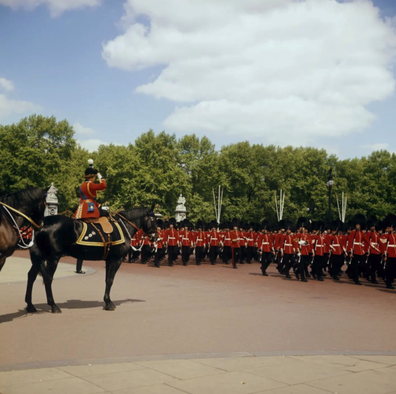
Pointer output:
111, 269
48, 273
32, 275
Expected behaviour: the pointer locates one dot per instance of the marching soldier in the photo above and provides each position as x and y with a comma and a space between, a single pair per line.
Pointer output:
226, 255
199, 242
288, 248
372, 241
356, 249
266, 248
187, 241
235, 243
214, 242
172, 241
159, 247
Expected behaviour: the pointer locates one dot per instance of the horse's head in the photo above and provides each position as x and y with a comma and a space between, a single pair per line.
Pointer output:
38, 208
149, 225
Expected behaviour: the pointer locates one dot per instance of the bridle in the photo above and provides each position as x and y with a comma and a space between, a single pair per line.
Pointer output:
130, 223
19, 213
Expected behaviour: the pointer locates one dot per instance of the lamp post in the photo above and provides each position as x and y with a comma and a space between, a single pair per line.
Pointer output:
329, 185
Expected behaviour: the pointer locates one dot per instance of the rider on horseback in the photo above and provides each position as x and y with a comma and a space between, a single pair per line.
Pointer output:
88, 207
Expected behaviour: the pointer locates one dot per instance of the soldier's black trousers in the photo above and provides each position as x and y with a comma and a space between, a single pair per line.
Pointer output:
317, 266
358, 264
249, 254
159, 255
133, 254
242, 254
266, 259
146, 254
199, 254
226, 255
375, 266
288, 262
213, 251
172, 254
304, 263
390, 270
336, 262
235, 256
186, 252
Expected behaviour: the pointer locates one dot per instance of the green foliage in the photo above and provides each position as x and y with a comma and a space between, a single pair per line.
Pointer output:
156, 168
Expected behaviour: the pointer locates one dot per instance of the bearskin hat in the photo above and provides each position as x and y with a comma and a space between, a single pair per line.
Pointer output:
359, 219
90, 171
390, 221
199, 224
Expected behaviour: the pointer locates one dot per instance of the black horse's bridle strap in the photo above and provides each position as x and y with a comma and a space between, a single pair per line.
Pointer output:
22, 214
133, 225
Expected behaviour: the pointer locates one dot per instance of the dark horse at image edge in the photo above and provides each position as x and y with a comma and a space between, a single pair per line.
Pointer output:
22, 208
59, 238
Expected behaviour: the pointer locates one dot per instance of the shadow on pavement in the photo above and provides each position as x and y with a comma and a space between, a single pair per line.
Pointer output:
69, 304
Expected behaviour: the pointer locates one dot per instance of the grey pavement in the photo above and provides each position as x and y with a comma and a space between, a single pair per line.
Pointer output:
352, 374
16, 268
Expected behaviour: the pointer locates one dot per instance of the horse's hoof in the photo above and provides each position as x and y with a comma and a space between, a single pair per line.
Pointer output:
110, 307
56, 309
31, 309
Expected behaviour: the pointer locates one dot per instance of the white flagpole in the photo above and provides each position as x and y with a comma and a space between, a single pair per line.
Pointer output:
276, 206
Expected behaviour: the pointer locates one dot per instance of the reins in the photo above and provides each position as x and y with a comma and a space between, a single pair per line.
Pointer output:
21, 214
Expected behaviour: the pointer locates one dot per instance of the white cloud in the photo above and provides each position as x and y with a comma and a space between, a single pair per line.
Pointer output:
376, 147
56, 6
289, 72
10, 107
80, 129
6, 85
91, 145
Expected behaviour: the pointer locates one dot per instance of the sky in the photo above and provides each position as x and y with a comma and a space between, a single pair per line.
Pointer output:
315, 73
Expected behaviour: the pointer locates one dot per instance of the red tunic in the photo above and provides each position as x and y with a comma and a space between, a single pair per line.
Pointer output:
307, 247
200, 239
235, 239
214, 238
187, 237
318, 241
251, 238
338, 244
288, 246
227, 238
172, 237
160, 239
372, 240
390, 248
355, 242
88, 207
264, 242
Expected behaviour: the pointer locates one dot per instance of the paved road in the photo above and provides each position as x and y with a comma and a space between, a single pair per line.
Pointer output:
190, 310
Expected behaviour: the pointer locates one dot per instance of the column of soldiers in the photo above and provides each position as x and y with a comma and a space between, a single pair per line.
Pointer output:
309, 249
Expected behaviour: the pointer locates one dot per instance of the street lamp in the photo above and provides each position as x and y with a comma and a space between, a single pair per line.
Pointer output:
329, 185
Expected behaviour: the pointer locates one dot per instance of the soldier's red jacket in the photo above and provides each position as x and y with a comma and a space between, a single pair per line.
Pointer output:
355, 242
389, 246
160, 239
318, 242
187, 237
289, 245
88, 207
227, 238
235, 239
338, 244
200, 239
251, 238
264, 242
306, 247
172, 237
372, 240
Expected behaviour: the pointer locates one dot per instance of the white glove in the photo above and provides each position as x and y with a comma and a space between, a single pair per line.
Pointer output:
99, 176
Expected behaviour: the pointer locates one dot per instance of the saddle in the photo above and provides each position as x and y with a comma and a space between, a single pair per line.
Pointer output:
104, 222
104, 237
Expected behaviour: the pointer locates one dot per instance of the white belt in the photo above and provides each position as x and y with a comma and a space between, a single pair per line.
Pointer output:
288, 245
227, 239
214, 239
319, 246
336, 244
171, 238
265, 243
392, 245
357, 243
198, 239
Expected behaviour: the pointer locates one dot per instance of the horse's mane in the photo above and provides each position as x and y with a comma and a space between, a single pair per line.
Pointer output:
135, 213
21, 198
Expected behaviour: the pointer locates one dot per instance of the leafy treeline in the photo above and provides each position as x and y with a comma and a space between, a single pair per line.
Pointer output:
157, 168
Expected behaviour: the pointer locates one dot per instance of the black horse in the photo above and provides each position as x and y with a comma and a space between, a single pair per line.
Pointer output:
64, 236
23, 208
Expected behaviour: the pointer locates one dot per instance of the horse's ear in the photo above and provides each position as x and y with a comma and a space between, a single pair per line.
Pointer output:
152, 207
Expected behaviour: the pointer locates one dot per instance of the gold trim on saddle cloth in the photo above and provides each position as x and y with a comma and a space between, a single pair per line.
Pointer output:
81, 241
